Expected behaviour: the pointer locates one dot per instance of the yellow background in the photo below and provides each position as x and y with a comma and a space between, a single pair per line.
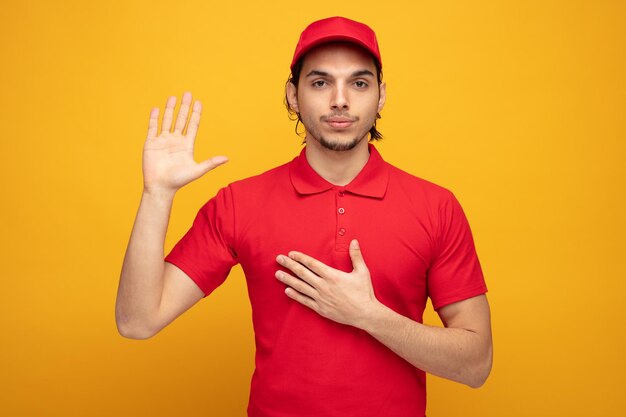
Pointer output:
518, 107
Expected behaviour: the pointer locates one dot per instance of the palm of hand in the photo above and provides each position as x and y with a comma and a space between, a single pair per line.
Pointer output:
168, 162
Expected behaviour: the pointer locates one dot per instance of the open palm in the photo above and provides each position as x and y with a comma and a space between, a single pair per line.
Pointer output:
168, 162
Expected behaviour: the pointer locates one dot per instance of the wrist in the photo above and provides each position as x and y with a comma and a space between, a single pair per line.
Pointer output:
372, 317
159, 193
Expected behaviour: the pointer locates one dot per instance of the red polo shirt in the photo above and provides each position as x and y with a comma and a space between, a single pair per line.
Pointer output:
416, 243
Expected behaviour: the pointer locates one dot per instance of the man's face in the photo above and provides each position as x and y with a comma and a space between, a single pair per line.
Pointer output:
338, 95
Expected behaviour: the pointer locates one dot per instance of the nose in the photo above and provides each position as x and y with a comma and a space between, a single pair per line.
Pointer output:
339, 99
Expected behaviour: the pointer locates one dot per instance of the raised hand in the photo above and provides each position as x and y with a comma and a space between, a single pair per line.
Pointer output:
168, 162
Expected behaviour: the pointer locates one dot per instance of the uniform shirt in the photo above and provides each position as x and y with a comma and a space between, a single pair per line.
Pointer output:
415, 241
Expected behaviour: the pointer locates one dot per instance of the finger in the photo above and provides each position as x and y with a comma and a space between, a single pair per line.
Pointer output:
209, 164
168, 114
153, 123
299, 270
183, 112
192, 129
311, 263
302, 299
358, 263
297, 284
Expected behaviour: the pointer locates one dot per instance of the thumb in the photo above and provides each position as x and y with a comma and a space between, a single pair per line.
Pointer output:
357, 257
209, 164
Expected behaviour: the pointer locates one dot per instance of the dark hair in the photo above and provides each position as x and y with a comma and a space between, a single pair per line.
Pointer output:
294, 78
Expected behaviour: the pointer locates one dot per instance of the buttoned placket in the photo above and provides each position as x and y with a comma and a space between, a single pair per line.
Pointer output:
343, 216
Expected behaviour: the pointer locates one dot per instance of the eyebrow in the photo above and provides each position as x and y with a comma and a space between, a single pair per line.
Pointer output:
362, 72
359, 73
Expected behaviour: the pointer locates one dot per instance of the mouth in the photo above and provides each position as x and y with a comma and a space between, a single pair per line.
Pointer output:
339, 125
339, 122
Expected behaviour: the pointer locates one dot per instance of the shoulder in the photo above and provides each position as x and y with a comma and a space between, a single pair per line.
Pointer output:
245, 196
265, 178
258, 186
416, 188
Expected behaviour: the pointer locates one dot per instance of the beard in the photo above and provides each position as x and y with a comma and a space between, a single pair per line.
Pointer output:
335, 145
330, 143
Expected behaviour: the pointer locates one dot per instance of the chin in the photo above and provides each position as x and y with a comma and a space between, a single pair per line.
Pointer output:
340, 144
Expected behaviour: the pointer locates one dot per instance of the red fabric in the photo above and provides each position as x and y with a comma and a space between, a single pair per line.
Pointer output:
336, 29
416, 243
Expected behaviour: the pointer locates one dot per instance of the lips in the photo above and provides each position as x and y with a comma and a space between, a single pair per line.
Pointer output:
340, 125
338, 122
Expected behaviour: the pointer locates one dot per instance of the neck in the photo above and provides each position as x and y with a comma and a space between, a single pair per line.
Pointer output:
337, 167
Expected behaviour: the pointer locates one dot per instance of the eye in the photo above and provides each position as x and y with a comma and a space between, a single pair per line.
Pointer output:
319, 83
360, 84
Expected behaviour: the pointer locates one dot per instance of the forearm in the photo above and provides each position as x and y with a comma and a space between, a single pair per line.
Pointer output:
453, 353
141, 280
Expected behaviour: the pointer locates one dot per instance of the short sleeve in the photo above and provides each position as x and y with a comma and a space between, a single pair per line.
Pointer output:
455, 273
205, 252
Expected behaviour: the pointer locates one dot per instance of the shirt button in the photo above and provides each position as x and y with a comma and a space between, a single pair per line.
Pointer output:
342, 231
341, 210
340, 193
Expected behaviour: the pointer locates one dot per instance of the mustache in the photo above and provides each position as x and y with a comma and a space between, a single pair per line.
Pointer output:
339, 115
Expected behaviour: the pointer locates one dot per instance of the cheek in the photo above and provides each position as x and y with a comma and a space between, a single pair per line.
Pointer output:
310, 106
371, 110
307, 116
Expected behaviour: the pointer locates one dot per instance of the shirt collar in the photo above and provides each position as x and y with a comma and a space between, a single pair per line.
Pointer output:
370, 182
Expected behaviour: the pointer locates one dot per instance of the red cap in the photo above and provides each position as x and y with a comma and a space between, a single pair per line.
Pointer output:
336, 29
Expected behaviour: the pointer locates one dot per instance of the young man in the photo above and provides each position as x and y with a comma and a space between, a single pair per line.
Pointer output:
339, 248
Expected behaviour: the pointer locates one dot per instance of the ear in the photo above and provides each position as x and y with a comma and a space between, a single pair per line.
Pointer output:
292, 96
382, 96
